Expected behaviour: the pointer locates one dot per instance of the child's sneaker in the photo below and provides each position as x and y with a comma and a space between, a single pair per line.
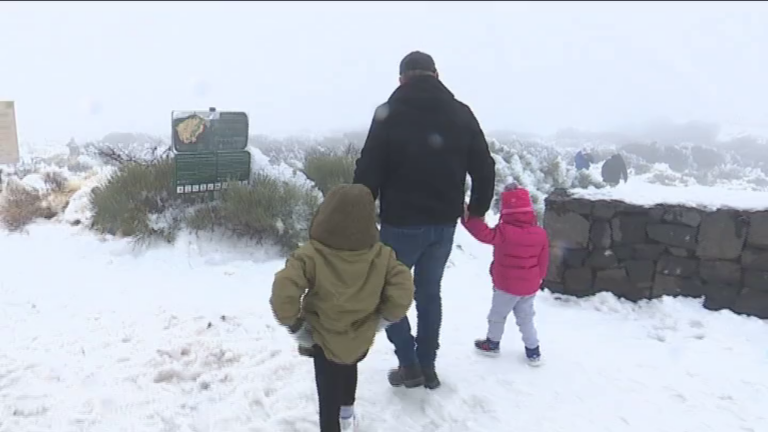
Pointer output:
348, 424
533, 355
347, 419
487, 346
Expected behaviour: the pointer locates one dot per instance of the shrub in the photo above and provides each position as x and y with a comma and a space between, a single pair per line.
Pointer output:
55, 181
329, 168
136, 200
129, 153
22, 205
268, 210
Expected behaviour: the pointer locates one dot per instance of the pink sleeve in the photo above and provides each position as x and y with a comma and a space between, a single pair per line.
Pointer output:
480, 230
544, 257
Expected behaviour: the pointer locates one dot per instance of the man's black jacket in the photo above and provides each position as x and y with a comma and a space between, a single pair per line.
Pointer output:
614, 170
421, 145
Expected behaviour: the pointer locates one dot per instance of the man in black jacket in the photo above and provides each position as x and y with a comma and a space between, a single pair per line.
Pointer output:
614, 170
420, 147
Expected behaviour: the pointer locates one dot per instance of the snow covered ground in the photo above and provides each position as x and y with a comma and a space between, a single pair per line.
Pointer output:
97, 337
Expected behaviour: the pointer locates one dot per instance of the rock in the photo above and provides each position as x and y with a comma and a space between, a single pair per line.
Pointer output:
673, 235
624, 252
604, 210
558, 195
756, 280
656, 213
720, 272
579, 205
683, 215
579, 282
675, 266
556, 265
647, 251
752, 302
569, 230
758, 230
638, 251
719, 296
575, 257
754, 259
617, 281
629, 229
721, 235
680, 252
675, 286
640, 273
555, 287
556, 201
602, 259
600, 234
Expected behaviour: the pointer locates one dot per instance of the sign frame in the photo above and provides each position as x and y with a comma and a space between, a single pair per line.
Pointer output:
9, 137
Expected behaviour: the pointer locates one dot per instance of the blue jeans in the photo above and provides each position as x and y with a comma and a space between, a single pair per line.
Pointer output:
426, 250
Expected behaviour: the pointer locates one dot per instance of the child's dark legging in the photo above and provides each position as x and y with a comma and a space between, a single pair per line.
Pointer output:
336, 387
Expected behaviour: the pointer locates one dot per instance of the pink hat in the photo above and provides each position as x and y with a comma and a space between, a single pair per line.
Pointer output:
515, 199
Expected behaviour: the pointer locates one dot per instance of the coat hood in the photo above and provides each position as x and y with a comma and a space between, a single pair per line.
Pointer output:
422, 92
346, 219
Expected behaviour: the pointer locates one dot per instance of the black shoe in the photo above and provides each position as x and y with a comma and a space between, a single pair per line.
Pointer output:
431, 380
408, 377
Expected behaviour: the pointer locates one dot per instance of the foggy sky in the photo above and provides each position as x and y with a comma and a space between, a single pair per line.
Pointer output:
85, 69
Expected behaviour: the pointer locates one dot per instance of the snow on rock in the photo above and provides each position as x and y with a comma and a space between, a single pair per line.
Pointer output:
35, 181
169, 340
79, 208
281, 170
703, 197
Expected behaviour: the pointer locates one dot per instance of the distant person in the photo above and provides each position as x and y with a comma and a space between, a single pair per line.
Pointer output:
614, 170
583, 160
520, 261
421, 145
336, 292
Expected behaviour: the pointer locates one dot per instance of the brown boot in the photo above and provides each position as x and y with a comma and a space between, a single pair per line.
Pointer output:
406, 376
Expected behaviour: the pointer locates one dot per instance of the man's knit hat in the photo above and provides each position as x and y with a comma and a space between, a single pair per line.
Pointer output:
417, 61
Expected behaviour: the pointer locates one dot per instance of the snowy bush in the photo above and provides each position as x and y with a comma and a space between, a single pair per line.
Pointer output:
55, 180
140, 201
328, 168
21, 205
538, 167
137, 201
268, 210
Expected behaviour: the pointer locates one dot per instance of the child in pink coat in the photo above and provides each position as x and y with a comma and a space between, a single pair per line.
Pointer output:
520, 260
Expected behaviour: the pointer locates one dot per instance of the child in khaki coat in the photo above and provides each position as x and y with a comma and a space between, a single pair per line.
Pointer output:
336, 292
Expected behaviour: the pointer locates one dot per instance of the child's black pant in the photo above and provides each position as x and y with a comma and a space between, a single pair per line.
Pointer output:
336, 387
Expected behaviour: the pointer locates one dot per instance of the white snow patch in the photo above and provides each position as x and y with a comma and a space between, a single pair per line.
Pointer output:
79, 207
703, 197
105, 337
35, 181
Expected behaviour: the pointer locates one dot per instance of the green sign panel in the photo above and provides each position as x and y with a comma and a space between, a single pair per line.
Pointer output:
211, 171
210, 150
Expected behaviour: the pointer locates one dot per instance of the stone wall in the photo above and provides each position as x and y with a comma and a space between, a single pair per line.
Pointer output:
646, 252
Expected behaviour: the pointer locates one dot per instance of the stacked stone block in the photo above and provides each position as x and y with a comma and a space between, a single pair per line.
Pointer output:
641, 252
